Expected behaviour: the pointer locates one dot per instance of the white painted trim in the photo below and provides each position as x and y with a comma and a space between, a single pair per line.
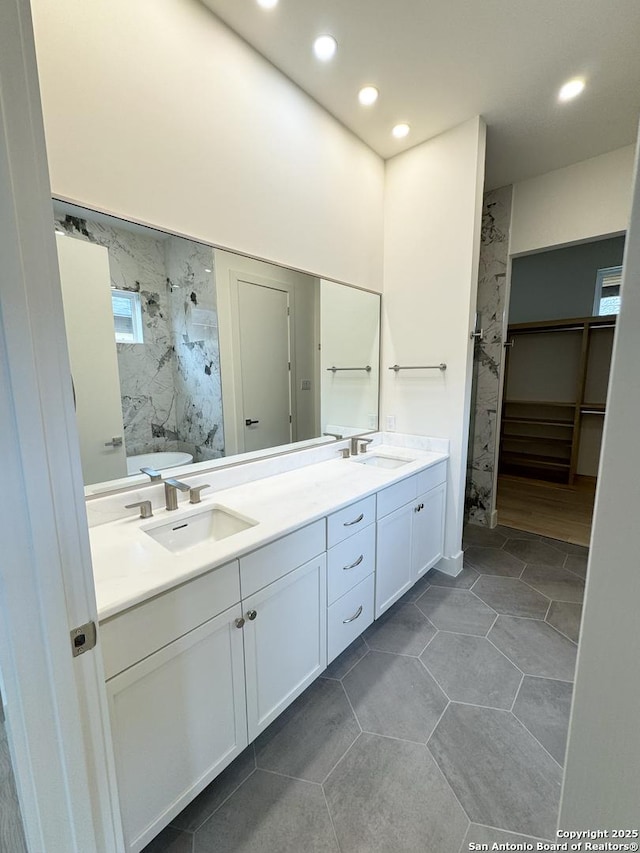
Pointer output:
55, 705
493, 519
451, 565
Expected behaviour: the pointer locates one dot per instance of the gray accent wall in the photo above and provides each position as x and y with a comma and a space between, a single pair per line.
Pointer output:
560, 283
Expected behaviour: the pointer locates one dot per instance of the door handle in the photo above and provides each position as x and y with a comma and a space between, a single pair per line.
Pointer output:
116, 441
249, 422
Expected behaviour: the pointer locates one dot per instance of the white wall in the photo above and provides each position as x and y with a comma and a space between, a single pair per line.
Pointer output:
602, 777
349, 337
433, 206
582, 201
158, 112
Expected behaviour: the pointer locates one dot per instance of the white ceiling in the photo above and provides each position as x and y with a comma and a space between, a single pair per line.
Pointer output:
440, 62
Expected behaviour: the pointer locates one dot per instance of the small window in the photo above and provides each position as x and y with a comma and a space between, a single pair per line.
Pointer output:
127, 316
608, 282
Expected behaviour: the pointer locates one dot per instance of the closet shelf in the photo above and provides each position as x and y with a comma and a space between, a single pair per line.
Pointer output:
540, 421
533, 460
539, 403
529, 437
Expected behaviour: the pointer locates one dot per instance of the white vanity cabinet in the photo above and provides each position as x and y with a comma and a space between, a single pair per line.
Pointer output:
410, 533
351, 562
178, 715
285, 641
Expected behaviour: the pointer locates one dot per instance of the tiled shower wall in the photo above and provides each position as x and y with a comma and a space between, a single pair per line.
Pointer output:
488, 356
170, 385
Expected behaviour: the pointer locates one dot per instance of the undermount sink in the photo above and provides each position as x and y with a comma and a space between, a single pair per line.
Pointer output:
210, 525
379, 460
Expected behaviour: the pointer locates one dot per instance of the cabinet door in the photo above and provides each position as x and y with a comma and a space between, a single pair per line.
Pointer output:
393, 557
427, 540
285, 641
177, 718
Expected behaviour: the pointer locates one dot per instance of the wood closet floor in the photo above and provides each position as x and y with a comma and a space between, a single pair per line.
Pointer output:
548, 509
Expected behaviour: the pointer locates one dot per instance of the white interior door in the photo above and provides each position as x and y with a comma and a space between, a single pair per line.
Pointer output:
86, 293
264, 365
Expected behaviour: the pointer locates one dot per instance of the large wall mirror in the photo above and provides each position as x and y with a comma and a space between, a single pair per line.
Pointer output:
182, 353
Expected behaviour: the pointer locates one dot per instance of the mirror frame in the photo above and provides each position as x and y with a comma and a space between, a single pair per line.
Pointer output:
135, 481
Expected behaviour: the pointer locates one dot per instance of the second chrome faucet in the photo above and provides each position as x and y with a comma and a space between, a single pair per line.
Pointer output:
171, 488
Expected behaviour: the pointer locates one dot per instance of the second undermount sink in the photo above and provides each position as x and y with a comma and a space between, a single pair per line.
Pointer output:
380, 460
210, 525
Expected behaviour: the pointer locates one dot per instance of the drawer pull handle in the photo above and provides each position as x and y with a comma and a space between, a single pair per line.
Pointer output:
353, 565
354, 617
251, 614
355, 520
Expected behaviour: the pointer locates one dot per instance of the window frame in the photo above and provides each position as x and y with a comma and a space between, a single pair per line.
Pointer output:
133, 297
601, 275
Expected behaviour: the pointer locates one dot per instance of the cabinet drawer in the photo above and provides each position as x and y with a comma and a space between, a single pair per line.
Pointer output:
350, 561
277, 559
349, 616
397, 495
138, 632
431, 477
350, 520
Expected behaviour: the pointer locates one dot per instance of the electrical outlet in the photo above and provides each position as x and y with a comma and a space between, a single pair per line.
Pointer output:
391, 423
305, 385
373, 421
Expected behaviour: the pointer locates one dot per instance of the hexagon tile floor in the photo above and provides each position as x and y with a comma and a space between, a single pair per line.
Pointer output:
444, 724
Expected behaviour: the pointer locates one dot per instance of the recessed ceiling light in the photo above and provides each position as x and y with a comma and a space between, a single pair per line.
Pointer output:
368, 95
206, 269
571, 90
401, 130
267, 4
325, 47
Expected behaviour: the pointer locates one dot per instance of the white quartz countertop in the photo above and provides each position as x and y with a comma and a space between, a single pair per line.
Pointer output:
130, 567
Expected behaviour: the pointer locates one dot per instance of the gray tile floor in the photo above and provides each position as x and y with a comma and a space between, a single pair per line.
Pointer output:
444, 724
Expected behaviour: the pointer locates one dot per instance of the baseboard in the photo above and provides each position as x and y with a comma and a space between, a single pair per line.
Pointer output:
493, 519
451, 565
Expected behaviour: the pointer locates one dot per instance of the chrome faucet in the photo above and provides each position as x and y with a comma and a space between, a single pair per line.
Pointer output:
171, 487
358, 443
156, 476
335, 435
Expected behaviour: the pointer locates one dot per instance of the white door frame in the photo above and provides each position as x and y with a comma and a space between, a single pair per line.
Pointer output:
260, 281
55, 705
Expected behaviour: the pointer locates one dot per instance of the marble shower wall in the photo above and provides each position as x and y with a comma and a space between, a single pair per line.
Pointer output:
488, 356
157, 390
194, 321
